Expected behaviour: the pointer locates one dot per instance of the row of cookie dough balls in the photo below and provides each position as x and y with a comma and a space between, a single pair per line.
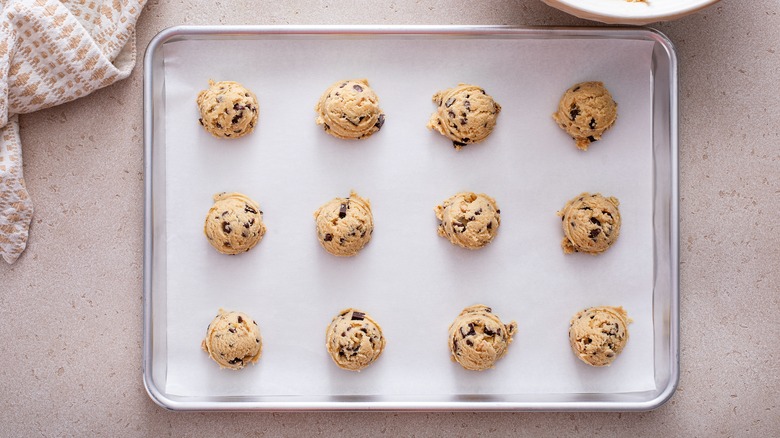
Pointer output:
234, 224
465, 114
477, 338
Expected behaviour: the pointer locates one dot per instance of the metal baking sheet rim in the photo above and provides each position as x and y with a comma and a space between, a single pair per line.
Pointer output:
458, 403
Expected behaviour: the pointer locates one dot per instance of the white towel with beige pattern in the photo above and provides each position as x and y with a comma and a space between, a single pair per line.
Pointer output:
51, 52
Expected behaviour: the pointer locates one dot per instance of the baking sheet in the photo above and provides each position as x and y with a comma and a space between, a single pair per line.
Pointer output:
411, 281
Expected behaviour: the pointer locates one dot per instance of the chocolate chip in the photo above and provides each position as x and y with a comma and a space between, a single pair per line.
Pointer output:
239, 107
358, 316
608, 214
458, 144
255, 322
237, 117
342, 85
240, 319
343, 211
380, 122
235, 361
585, 208
577, 88
455, 346
328, 237
574, 112
227, 135
478, 212
449, 102
497, 212
343, 334
342, 240
490, 225
357, 88
489, 332
232, 330
364, 330
592, 139
219, 126
593, 220
488, 309
595, 232
465, 140
451, 114
463, 121
588, 341
467, 105
201, 122
610, 354
469, 343
467, 96
226, 227
251, 221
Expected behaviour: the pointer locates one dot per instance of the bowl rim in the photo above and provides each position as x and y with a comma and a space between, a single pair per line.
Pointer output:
642, 16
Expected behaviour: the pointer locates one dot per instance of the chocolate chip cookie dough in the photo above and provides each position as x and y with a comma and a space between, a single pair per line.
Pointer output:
478, 338
591, 223
464, 114
227, 109
585, 111
349, 109
234, 224
233, 340
344, 225
598, 334
469, 220
354, 340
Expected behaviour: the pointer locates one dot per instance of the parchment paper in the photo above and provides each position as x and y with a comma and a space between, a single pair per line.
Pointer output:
413, 282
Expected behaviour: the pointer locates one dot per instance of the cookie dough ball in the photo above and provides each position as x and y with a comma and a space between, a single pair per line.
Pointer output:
465, 114
591, 223
233, 340
478, 338
598, 334
350, 110
344, 225
227, 109
585, 111
354, 340
234, 223
468, 219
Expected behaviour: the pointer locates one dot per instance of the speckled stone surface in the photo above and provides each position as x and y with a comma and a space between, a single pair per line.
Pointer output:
70, 308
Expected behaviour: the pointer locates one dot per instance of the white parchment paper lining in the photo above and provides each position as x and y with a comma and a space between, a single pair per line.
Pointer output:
411, 281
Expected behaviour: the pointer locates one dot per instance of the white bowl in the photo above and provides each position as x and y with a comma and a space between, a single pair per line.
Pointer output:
625, 12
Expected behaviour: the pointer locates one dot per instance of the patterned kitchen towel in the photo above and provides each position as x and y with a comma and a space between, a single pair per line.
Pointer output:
51, 52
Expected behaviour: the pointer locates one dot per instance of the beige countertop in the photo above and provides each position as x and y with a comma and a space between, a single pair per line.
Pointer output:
71, 307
